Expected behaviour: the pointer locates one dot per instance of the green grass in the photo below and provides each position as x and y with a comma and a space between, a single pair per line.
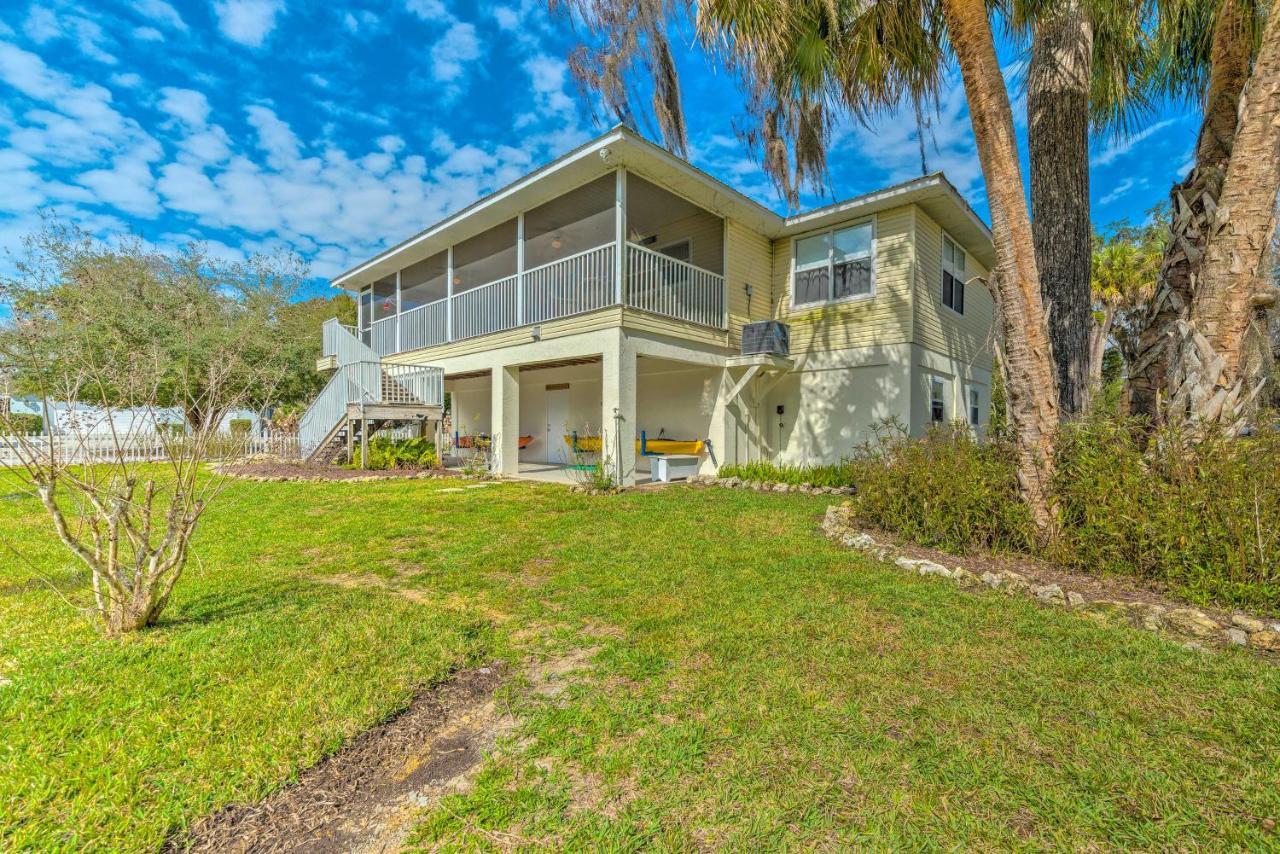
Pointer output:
754, 685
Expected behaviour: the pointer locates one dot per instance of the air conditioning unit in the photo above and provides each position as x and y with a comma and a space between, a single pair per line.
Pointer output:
769, 337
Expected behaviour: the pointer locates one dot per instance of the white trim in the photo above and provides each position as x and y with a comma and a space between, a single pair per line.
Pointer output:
831, 246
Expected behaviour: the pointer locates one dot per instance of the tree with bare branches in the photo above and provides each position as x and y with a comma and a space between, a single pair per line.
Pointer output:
125, 336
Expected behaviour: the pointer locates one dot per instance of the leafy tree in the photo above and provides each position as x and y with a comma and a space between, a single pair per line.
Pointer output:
299, 326
132, 330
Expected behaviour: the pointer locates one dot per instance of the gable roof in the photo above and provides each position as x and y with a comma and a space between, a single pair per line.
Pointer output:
621, 146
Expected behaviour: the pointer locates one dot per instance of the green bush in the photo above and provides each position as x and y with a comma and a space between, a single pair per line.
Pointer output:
240, 427
833, 475
388, 453
1200, 518
24, 424
944, 490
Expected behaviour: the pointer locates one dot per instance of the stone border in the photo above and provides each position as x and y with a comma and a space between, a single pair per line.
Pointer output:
1190, 625
765, 486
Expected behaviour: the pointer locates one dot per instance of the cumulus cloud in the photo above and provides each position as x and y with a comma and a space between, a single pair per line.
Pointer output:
160, 12
449, 56
247, 22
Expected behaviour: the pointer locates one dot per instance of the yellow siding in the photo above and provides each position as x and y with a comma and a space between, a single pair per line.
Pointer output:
937, 327
590, 322
750, 258
705, 233
658, 325
885, 318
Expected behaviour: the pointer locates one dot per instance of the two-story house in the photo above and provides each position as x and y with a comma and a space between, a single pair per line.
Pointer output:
606, 294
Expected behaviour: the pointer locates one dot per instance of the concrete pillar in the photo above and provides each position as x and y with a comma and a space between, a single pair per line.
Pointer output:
505, 419
618, 410
722, 431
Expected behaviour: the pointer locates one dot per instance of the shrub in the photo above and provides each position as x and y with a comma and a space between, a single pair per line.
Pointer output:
944, 490
239, 427
1200, 518
388, 453
832, 475
24, 424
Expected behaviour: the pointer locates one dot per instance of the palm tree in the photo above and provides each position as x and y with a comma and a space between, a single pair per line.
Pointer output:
1206, 49
798, 57
1126, 264
1087, 63
1210, 378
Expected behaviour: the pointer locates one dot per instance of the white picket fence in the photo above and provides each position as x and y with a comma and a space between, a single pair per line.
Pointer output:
140, 447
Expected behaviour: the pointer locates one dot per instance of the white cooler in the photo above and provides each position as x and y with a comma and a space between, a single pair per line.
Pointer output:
674, 467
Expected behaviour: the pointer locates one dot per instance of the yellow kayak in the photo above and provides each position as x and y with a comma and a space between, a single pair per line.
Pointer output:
591, 445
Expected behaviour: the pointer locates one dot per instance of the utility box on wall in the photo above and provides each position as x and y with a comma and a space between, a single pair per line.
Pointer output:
766, 337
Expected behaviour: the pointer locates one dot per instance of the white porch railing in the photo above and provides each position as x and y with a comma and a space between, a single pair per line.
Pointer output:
343, 343
488, 308
665, 285
425, 325
581, 282
383, 337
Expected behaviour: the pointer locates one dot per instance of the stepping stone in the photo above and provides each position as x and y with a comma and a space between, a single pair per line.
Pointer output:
450, 489
477, 486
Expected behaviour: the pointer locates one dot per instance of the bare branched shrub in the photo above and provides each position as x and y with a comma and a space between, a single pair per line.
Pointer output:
126, 338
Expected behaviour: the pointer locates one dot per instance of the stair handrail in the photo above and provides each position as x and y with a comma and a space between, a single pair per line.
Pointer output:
344, 345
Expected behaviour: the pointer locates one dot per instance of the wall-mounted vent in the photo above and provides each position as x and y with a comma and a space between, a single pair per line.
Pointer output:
769, 337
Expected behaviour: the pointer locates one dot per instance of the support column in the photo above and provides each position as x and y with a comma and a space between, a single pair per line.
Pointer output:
620, 235
520, 269
618, 410
504, 422
448, 302
398, 310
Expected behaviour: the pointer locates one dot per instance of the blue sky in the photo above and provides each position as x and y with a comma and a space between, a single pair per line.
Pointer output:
336, 129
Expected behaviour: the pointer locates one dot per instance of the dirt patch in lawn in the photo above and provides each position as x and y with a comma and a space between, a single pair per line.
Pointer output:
365, 797
292, 470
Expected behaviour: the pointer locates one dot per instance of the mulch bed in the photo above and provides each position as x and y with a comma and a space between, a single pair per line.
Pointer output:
283, 469
357, 799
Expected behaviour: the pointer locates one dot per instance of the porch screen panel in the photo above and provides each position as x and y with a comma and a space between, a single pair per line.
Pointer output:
423, 288
568, 252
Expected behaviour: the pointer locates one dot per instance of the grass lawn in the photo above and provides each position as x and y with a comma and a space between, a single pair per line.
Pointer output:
751, 684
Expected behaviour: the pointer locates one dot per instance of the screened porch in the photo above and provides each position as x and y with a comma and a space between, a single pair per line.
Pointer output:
616, 240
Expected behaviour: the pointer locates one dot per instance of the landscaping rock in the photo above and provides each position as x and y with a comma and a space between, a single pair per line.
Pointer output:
1237, 637
1106, 610
992, 580
1149, 617
1266, 640
1014, 582
731, 482
1050, 594
781, 487
1189, 621
965, 578
1249, 624
923, 567
1074, 599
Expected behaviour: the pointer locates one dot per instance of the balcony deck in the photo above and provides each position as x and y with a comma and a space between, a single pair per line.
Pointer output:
580, 283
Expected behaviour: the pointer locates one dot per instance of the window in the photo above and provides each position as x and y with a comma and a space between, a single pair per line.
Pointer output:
834, 265
975, 409
681, 250
953, 262
937, 401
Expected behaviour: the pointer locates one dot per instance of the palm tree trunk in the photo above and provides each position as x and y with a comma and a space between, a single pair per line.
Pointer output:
1099, 332
1058, 133
1193, 203
1029, 373
1210, 382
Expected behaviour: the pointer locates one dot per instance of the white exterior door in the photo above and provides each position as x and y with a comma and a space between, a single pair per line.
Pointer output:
557, 425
